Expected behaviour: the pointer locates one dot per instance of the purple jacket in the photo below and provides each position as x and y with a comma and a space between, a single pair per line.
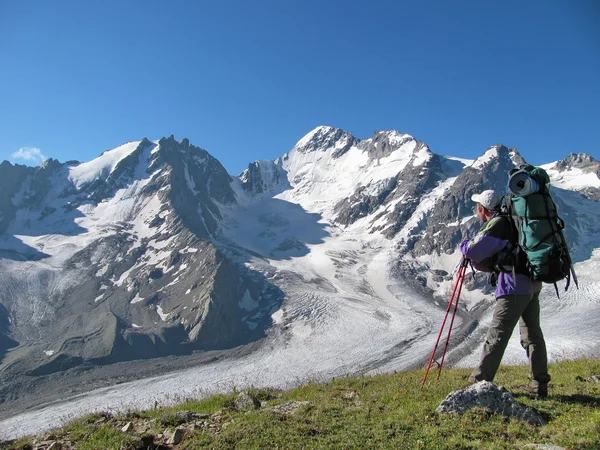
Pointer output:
493, 239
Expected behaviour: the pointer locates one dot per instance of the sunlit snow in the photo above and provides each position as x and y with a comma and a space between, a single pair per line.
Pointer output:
102, 166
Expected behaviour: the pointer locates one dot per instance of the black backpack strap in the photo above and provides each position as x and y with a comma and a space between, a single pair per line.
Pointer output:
558, 232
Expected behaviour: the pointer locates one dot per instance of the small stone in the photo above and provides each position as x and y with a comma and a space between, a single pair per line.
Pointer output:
127, 428
545, 447
594, 379
246, 402
287, 409
176, 437
349, 395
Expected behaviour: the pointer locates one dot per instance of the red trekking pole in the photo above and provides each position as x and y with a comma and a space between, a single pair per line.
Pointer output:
460, 277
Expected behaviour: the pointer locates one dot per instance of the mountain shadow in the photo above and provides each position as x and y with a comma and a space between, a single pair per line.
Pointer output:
16, 250
275, 229
6, 343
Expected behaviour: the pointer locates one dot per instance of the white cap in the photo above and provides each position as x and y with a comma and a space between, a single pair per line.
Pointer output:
489, 199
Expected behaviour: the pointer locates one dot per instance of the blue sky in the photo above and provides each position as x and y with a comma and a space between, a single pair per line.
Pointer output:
245, 80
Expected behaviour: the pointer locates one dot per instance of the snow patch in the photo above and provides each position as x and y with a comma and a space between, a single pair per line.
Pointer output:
247, 302
100, 167
277, 316
136, 299
164, 316
484, 159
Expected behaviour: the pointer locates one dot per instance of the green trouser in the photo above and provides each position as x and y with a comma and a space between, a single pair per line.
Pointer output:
509, 310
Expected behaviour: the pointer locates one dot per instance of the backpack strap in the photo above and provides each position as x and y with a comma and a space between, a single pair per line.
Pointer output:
515, 232
556, 237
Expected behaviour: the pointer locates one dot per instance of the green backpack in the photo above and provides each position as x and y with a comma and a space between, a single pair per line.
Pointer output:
540, 229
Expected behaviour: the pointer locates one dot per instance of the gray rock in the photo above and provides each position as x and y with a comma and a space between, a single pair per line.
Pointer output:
263, 176
594, 379
289, 408
545, 447
352, 395
246, 402
491, 397
127, 428
175, 437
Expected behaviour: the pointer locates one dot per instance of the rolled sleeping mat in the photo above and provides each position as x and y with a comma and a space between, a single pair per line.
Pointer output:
521, 184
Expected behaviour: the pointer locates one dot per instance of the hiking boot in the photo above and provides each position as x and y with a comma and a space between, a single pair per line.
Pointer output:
539, 390
542, 390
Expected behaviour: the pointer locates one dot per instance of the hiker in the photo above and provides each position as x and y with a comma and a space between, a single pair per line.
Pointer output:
517, 296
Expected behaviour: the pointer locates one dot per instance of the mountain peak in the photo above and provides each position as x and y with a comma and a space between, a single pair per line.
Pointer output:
578, 161
384, 142
99, 168
262, 176
499, 153
324, 138
392, 135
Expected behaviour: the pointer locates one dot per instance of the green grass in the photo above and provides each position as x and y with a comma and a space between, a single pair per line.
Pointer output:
385, 411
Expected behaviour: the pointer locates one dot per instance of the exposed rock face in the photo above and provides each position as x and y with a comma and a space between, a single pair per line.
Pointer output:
586, 165
147, 282
403, 190
448, 223
11, 179
263, 176
581, 161
5, 341
384, 143
323, 138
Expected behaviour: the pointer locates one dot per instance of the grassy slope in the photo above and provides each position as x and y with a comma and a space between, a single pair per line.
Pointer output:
386, 411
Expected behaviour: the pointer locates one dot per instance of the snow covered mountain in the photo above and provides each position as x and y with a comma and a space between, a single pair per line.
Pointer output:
111, 260
336, 258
